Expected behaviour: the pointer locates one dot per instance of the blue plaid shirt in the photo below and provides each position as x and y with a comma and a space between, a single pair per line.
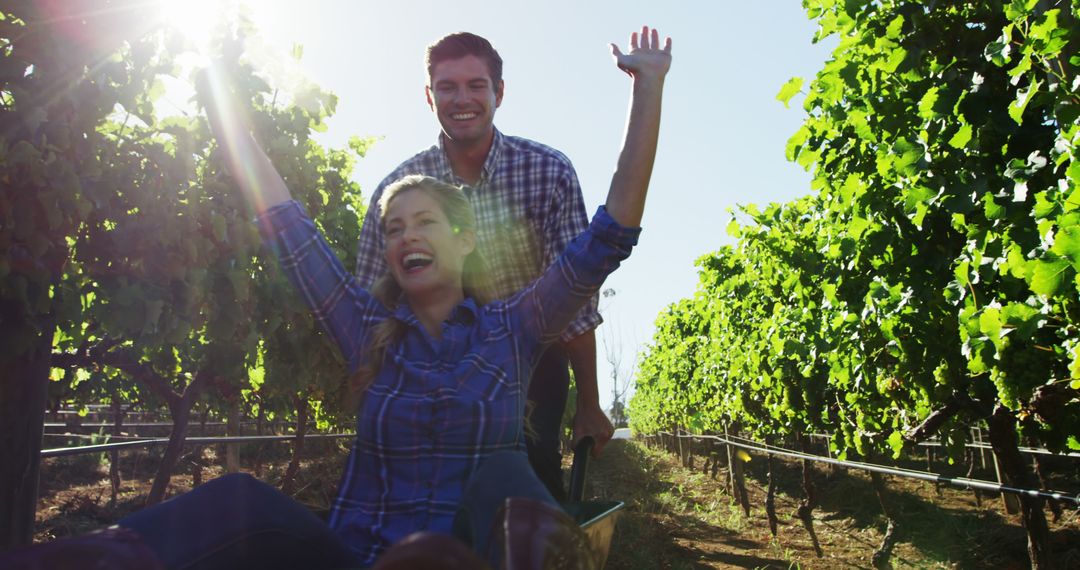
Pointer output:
528, 207
437, 408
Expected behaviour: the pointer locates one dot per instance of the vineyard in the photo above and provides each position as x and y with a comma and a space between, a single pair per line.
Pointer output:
131, 274
926, 288
929, 284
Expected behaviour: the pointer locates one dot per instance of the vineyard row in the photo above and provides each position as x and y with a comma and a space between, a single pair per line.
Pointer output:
961, 482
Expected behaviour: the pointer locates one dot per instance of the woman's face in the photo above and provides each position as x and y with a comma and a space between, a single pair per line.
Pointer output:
424, 253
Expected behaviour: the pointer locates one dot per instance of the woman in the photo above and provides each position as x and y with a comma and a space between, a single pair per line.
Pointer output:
440, 439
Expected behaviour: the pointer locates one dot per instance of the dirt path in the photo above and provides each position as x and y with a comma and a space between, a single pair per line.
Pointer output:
681, 518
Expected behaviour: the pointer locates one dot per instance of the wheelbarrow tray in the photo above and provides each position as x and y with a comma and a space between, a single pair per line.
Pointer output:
597, 519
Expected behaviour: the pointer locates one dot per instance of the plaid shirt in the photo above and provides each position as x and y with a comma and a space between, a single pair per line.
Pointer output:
437, 408
528, 208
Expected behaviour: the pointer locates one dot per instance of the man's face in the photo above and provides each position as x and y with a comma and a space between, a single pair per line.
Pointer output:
463, 98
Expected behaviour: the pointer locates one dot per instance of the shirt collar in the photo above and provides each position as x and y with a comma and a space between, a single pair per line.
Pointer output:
443, 162
464, 313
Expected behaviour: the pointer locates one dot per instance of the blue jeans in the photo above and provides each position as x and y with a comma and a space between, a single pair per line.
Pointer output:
548, 391
237, 521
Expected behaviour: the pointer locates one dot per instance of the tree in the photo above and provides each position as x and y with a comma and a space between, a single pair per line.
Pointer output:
611, 338
124, 246
56, 87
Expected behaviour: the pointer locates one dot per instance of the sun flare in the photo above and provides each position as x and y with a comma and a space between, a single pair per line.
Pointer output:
194, 19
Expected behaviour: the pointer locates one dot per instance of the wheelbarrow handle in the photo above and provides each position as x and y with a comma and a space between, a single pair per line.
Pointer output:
579, 468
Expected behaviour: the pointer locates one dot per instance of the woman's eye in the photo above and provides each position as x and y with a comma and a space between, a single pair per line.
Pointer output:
394, 231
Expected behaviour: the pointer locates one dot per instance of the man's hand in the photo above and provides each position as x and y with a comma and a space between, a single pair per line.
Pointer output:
645, 57
590, 421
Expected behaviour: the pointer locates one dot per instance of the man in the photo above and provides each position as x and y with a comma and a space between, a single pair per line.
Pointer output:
529, 206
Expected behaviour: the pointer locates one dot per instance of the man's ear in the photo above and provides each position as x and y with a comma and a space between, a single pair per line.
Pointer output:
427, 94
499, 93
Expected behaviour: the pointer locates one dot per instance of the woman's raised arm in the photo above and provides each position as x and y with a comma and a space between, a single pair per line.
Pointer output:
259, 181
647, 64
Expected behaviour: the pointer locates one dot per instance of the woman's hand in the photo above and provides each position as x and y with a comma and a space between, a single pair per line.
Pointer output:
246, 162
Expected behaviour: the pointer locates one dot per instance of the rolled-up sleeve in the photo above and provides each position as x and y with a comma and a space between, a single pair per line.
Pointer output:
542, 311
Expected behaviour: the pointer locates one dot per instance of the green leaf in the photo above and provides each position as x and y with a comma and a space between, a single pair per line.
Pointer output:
733, 228
1025, 319
1023, 97
990, 323
991, 208
962, 137
361, 145
961, 272
896, 442
789, 90
1044, 206
1048, 277
1017, 9
916, 196
1067, 245
896, 57
896, 26
906, 157
998, 51
927, 103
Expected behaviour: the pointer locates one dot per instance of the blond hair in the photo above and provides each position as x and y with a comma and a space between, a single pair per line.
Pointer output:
475, 279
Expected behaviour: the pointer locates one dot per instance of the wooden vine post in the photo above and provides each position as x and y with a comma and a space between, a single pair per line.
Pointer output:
880, 558
770, 497
805, 512
1004, 439
288, 482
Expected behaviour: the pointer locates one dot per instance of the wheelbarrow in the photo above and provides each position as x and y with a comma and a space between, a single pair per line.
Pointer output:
596, 518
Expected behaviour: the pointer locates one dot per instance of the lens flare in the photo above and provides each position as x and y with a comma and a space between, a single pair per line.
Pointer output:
194, 19
229, 123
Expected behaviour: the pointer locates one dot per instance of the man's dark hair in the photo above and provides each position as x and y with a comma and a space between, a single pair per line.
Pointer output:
461, 44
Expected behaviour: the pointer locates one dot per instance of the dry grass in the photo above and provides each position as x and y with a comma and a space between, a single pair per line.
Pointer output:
682, 518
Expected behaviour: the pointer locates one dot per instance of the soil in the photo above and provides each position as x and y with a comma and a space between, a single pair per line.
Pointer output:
675, 517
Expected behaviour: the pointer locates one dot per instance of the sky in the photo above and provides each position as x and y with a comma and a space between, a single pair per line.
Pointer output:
722, 136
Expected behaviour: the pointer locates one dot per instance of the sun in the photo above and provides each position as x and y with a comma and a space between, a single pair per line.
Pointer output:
195, 19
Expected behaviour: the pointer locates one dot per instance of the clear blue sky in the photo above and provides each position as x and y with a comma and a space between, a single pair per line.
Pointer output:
722, 138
